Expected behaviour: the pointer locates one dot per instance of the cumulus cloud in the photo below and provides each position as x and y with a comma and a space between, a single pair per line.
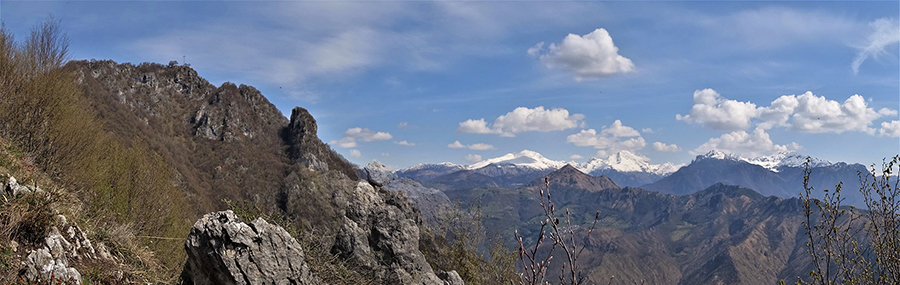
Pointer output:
815, 114
474, 127
477, 146
354, 135
610, 139
355, 153
886, 32
575, 156
748, 144
805, 113
647, 130
406, 143
524, 119
591, 56
456, 144
890, 129
473, 158
618, 130
661, 147
714, 111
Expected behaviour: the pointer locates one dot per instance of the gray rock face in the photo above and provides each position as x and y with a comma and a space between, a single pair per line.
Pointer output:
383, 222
223, 250
52, 260
432, 203
378, 173
14, 189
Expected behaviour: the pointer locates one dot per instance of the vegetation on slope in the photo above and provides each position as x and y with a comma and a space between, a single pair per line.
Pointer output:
118, 185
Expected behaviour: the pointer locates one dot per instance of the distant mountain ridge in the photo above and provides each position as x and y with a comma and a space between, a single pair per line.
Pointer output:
779, 175
516, 169
722, 234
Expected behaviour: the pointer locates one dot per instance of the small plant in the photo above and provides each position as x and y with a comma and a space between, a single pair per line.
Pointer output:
561, 236
854, 246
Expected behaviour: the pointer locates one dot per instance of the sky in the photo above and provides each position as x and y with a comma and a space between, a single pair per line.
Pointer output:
409, 82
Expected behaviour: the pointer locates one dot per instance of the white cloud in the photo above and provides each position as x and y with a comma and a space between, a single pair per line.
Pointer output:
456, 144
743, 143
661, 147
402, 125
477, 146
610, 138
524, 119
805, 113
575, 156
815, 114
406, 143
481, 146
886, 32
618, 130
712, 110
474, 127
354, 135
473, 158
591, 56
355, 153
647, 130
890, 129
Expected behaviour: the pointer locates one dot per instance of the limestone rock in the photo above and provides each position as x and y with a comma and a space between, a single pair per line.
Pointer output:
378, 173
223, 250
51, 261
380, 233
432, 203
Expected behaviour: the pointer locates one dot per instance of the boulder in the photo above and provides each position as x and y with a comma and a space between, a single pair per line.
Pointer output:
223, 250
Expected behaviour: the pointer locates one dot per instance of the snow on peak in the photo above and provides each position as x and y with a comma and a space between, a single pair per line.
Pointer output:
786, 159
626, 161
525, 158
771, 162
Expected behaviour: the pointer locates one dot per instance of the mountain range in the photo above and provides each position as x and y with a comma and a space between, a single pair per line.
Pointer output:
723, 234
779, 174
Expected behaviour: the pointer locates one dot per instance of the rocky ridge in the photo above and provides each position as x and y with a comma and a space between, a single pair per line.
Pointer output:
230, 143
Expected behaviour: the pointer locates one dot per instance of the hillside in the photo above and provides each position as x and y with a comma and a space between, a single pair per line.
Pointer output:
157, 147
720, 235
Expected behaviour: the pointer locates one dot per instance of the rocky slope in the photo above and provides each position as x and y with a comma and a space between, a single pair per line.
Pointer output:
228, 143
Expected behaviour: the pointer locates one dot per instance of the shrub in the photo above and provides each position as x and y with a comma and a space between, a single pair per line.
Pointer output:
855, 246
460, 242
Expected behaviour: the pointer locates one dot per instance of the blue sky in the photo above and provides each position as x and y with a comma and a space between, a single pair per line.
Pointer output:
404, 81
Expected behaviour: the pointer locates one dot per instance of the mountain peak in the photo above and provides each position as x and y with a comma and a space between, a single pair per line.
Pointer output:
627, 161
569, 177
771, 162
524, 158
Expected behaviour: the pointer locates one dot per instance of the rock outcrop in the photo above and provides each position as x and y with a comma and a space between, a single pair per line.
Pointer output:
223, 250
432, 203
380, 233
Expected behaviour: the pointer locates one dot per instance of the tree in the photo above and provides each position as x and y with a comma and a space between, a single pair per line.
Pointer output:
560, 236
855, 246
47, 48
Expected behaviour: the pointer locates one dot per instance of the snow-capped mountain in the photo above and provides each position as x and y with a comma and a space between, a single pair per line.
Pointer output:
771, 162
780, 174
515, 169
626, 161
525, 158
